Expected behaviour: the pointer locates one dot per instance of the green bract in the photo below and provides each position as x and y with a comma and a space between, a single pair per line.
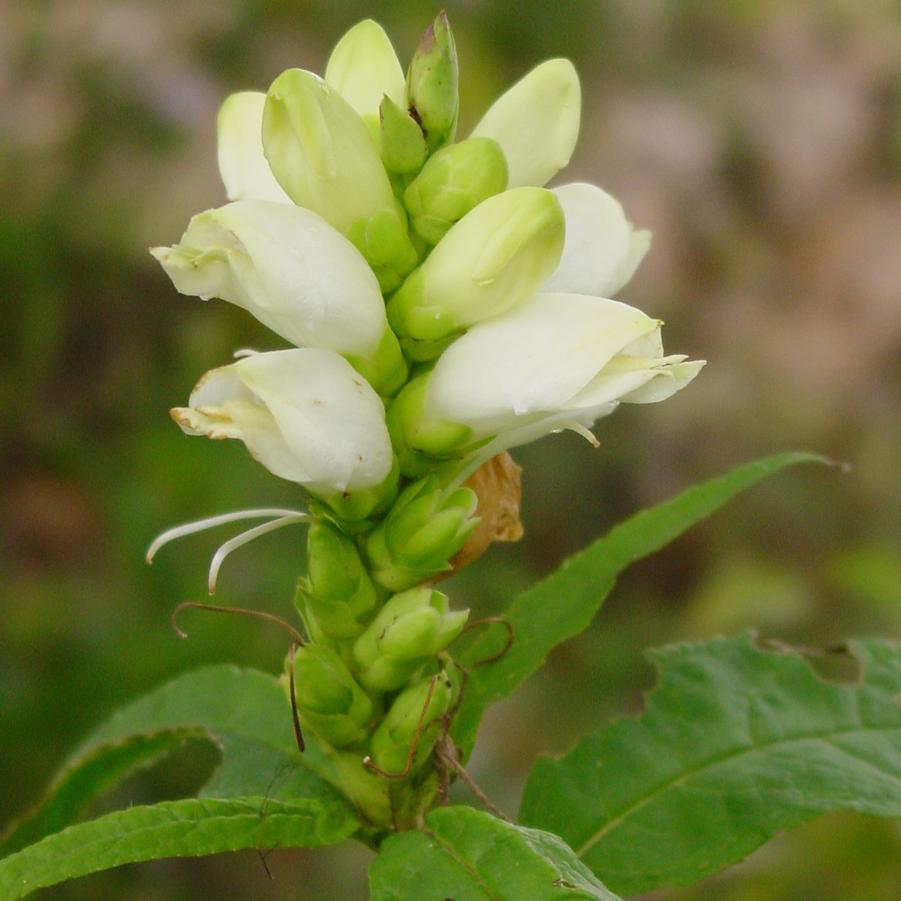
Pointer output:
444, 306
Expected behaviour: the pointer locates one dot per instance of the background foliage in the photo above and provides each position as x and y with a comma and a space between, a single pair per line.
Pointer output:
759, 140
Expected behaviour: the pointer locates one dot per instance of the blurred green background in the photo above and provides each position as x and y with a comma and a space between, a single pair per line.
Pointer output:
759, 139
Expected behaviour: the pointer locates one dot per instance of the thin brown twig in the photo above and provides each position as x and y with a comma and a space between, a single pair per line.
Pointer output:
259, 614
490, 620
447, 756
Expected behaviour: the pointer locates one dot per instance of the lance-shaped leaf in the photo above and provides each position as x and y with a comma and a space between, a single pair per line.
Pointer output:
186, 828
468, 855
736, 744
245, 712
564, 604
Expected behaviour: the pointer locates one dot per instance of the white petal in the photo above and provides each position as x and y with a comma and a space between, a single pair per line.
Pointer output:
305, 414
364, 68
328, 414
602, 251
536, 122
665, 383
533, 359
244, 170
286, 266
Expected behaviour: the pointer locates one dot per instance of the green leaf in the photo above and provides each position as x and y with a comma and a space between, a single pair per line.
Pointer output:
184, 828
735, 745
246, 713
468, 855
564, 604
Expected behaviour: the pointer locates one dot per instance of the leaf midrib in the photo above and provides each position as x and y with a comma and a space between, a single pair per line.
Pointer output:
464, 864
713, 762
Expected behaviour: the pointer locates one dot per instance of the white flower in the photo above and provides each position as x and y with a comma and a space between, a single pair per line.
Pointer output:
602, 249
286, 266
555, 361
242, 165
536, 122
305, 414
363, 68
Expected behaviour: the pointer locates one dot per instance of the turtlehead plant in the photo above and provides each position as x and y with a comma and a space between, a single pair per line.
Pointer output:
444, 305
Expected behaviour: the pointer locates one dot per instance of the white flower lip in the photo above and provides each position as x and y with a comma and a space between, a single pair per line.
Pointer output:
305, 414
242, 165
287, 267
602, 250
554, 358
536, 122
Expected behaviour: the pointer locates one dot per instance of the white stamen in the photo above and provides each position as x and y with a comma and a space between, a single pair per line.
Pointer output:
189, 528
239, 540
580, 429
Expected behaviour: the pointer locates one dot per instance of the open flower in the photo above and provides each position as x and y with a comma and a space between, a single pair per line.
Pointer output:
305, 414
555, 361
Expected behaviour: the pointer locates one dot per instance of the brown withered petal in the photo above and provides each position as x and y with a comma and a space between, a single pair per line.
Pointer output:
497, 484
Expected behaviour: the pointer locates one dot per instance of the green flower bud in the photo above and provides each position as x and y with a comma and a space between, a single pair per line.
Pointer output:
383, 240
413, 435
497, 255
329, 700
337, 596
421, 532
391, 742
370, 793
432, 92
453, 181
413, 626
404, 148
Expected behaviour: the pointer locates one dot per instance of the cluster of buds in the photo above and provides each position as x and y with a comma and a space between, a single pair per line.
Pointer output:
443, 307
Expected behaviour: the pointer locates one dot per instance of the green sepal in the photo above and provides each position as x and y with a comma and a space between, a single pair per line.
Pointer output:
404, 147
329, 700
337, 597
383, 240
412, 626
414, 707
452, 182
353, 507
420, 533
385, 369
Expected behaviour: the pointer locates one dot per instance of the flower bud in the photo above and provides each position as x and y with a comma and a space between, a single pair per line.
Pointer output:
432, 90
294, 273
602, 250
404, 148
536, 122
383, 240
421, 532
337, 596
494, 257
413, 626
242, 165
329, 700
556, 361
363, 68
416, 708
320, 151
453, 181
305, 414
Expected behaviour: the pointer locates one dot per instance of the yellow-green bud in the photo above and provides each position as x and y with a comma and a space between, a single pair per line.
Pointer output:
421, 532
413, 626
391, 742
432, 91
413, 436
337, 596
329, 700
384, 241
497, 255
452, 182
363, 68
404, 148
